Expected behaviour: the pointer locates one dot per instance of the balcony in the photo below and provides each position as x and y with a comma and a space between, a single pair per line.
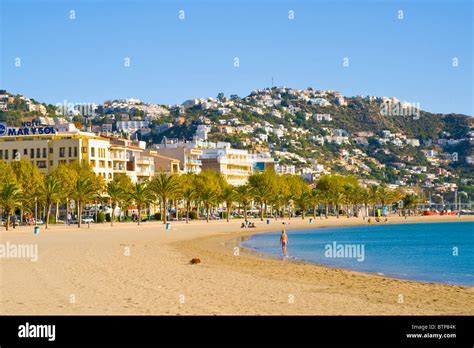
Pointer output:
236, 172
145, 172
118, 156
193, 161
225, 160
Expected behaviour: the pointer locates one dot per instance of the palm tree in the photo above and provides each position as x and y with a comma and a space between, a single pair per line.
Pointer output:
336, 198
84, 192
276, 201
350, 197
373, 196
164, 186
262, 193
244, 197
116, 195
11, 197
261, 188
411, 201
208, 197
189, 195
228, 196
385, 195
303, 201
50, 192
316, 198
141, 195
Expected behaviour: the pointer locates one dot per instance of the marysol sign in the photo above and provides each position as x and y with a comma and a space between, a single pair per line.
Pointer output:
27, 128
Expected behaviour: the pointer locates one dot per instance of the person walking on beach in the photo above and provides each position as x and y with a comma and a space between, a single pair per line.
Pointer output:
283, 241
69, 219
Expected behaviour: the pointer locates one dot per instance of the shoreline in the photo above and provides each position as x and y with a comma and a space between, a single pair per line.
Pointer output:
157, 279
255, 252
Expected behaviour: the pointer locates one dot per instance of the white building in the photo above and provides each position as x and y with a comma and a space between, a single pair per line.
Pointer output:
131, 126
235, 165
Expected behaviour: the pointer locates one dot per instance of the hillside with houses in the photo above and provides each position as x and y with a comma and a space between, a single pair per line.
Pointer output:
309, 132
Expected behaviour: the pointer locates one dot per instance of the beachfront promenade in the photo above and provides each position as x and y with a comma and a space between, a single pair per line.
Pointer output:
130, 269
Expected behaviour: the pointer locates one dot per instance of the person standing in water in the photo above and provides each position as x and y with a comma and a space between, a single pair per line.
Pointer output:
283, 241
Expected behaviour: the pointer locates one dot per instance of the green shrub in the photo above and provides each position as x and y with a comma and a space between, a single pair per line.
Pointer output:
108, 217
101, 217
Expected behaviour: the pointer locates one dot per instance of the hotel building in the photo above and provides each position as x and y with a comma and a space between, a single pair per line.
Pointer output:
109, 155
235, 165
188, 154
106, 155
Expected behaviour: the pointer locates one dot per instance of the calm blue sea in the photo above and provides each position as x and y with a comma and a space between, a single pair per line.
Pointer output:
433, 252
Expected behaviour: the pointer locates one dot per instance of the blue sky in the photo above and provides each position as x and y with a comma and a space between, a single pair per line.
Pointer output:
82, 60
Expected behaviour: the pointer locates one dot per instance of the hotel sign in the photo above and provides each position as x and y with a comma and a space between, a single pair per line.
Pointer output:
27, 128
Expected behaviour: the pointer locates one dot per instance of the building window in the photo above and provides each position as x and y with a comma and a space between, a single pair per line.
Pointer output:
6, 154
50, 150
62, 152
15, 152
84, 150
75, 151
38, 153
92, 151
44, 152
51, 163
41, 164
1, 154
25, 152
32, 153
70, 151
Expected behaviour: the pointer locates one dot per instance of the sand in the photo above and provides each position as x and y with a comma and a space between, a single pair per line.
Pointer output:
142, 270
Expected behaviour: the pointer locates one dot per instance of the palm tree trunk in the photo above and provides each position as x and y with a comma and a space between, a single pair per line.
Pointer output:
139, 213
208, 209
8, 219
112, 216
188, 206
79, 214
163, 215
48, 213
227, 205
56, 218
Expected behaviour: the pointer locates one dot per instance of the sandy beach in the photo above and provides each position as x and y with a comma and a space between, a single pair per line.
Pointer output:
145, 270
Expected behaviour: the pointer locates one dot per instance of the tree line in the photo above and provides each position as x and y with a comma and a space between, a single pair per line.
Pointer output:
23, 187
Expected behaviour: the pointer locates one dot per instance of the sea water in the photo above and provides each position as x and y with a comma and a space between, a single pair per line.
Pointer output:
432, 252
